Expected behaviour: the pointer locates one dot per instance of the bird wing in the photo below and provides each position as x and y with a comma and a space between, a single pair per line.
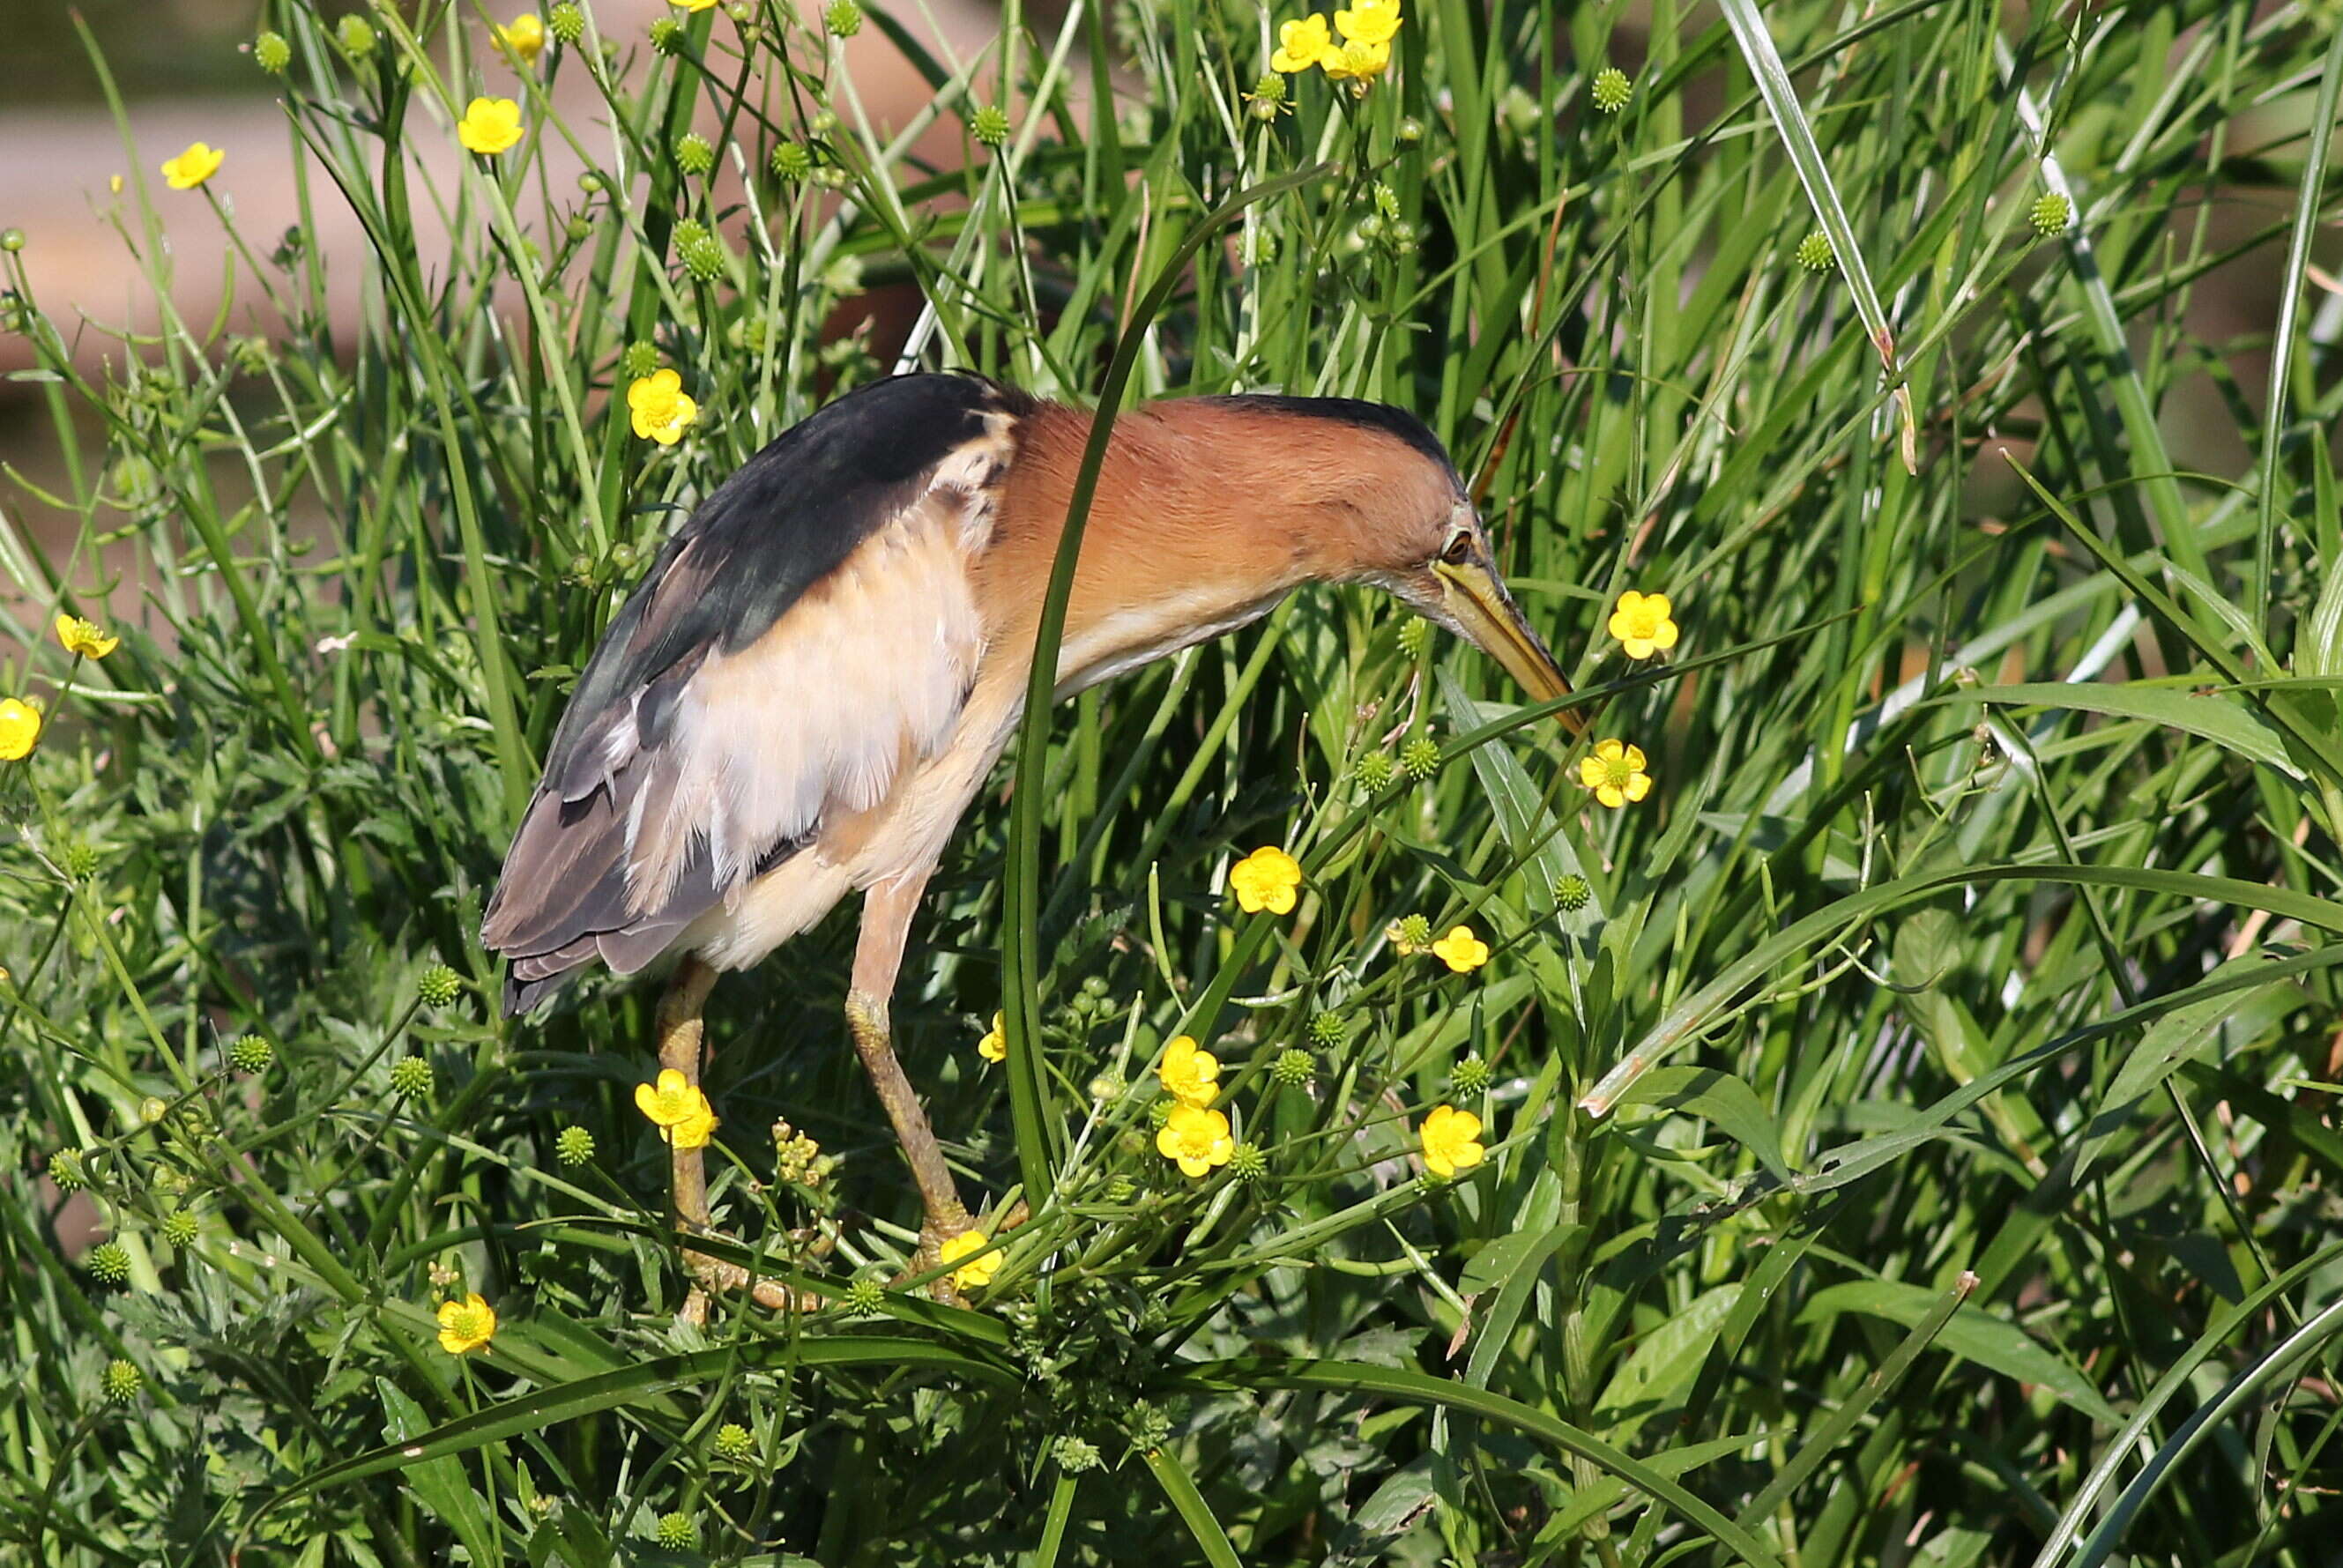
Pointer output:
806, 637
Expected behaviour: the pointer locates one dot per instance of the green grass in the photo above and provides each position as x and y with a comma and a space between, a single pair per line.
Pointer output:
1911, 1130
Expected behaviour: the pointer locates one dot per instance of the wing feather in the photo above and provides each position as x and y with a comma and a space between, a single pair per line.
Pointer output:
791, 652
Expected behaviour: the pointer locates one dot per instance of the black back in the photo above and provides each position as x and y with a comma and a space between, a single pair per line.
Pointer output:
1380, 417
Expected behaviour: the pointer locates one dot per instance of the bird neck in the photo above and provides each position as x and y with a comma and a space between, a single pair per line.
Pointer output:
1205, 514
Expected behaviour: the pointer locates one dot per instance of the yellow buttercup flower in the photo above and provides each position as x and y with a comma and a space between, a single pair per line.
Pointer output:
1452, 1140
1190, 1075
193, 167
1266, 879
489, 125
694, 1133
678, 1109
84, 638
978, 1272
692, 4
1641, 623
20, 728
1460, 951
466, 1325
662, 410
994, 1045
523, 37
1369, 22
1615, 773
1300, 44
1195, 1140
1356, 61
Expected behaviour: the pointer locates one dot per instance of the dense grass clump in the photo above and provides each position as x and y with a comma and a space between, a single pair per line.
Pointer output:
1900, 1130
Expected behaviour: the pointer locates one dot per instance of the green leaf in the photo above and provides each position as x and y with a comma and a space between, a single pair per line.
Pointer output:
1415, 1387
1505, 1257
440, 1485
2187, 1034
2224, 721
1194, 1511
635, 1387
1764, 61
1703, 1009
1927, 948
1665, 1361
1719, 1097
1974, 1336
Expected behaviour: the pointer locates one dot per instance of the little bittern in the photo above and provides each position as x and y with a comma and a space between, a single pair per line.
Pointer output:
812, 681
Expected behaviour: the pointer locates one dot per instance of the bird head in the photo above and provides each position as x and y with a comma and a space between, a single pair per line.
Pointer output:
1453, 580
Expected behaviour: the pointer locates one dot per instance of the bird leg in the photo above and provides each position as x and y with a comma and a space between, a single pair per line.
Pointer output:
682, 1045
887, 911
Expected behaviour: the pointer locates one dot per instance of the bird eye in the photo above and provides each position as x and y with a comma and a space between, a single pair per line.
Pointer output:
1459, 548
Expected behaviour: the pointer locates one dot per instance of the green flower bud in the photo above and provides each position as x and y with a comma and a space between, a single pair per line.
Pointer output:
1814, 252
566, 21
687, 231
667, 35
1148, 1427
1247, 1163
438, 985
1292, 1069
790, 161
639, 360
79, 860
1420, 758
251, 1055
1107, 1087
703, 259
866, 1298
122, 1381
693, 155
677, 1532
2052, 213
411, 1078
1468, 1077
1327, 1030
1412, 933
271, 52
67, 1171
574, 1146
733, 1443
990, 126
12, 240
109, 1261
1120, 1190
1572, 892
356, 35
153, 1108
1074, 1455
1416, 637
844, 18
1408, 132
1374, 772
1612, 89
179, 1227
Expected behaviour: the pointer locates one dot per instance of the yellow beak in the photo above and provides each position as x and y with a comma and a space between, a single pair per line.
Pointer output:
1490, 618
